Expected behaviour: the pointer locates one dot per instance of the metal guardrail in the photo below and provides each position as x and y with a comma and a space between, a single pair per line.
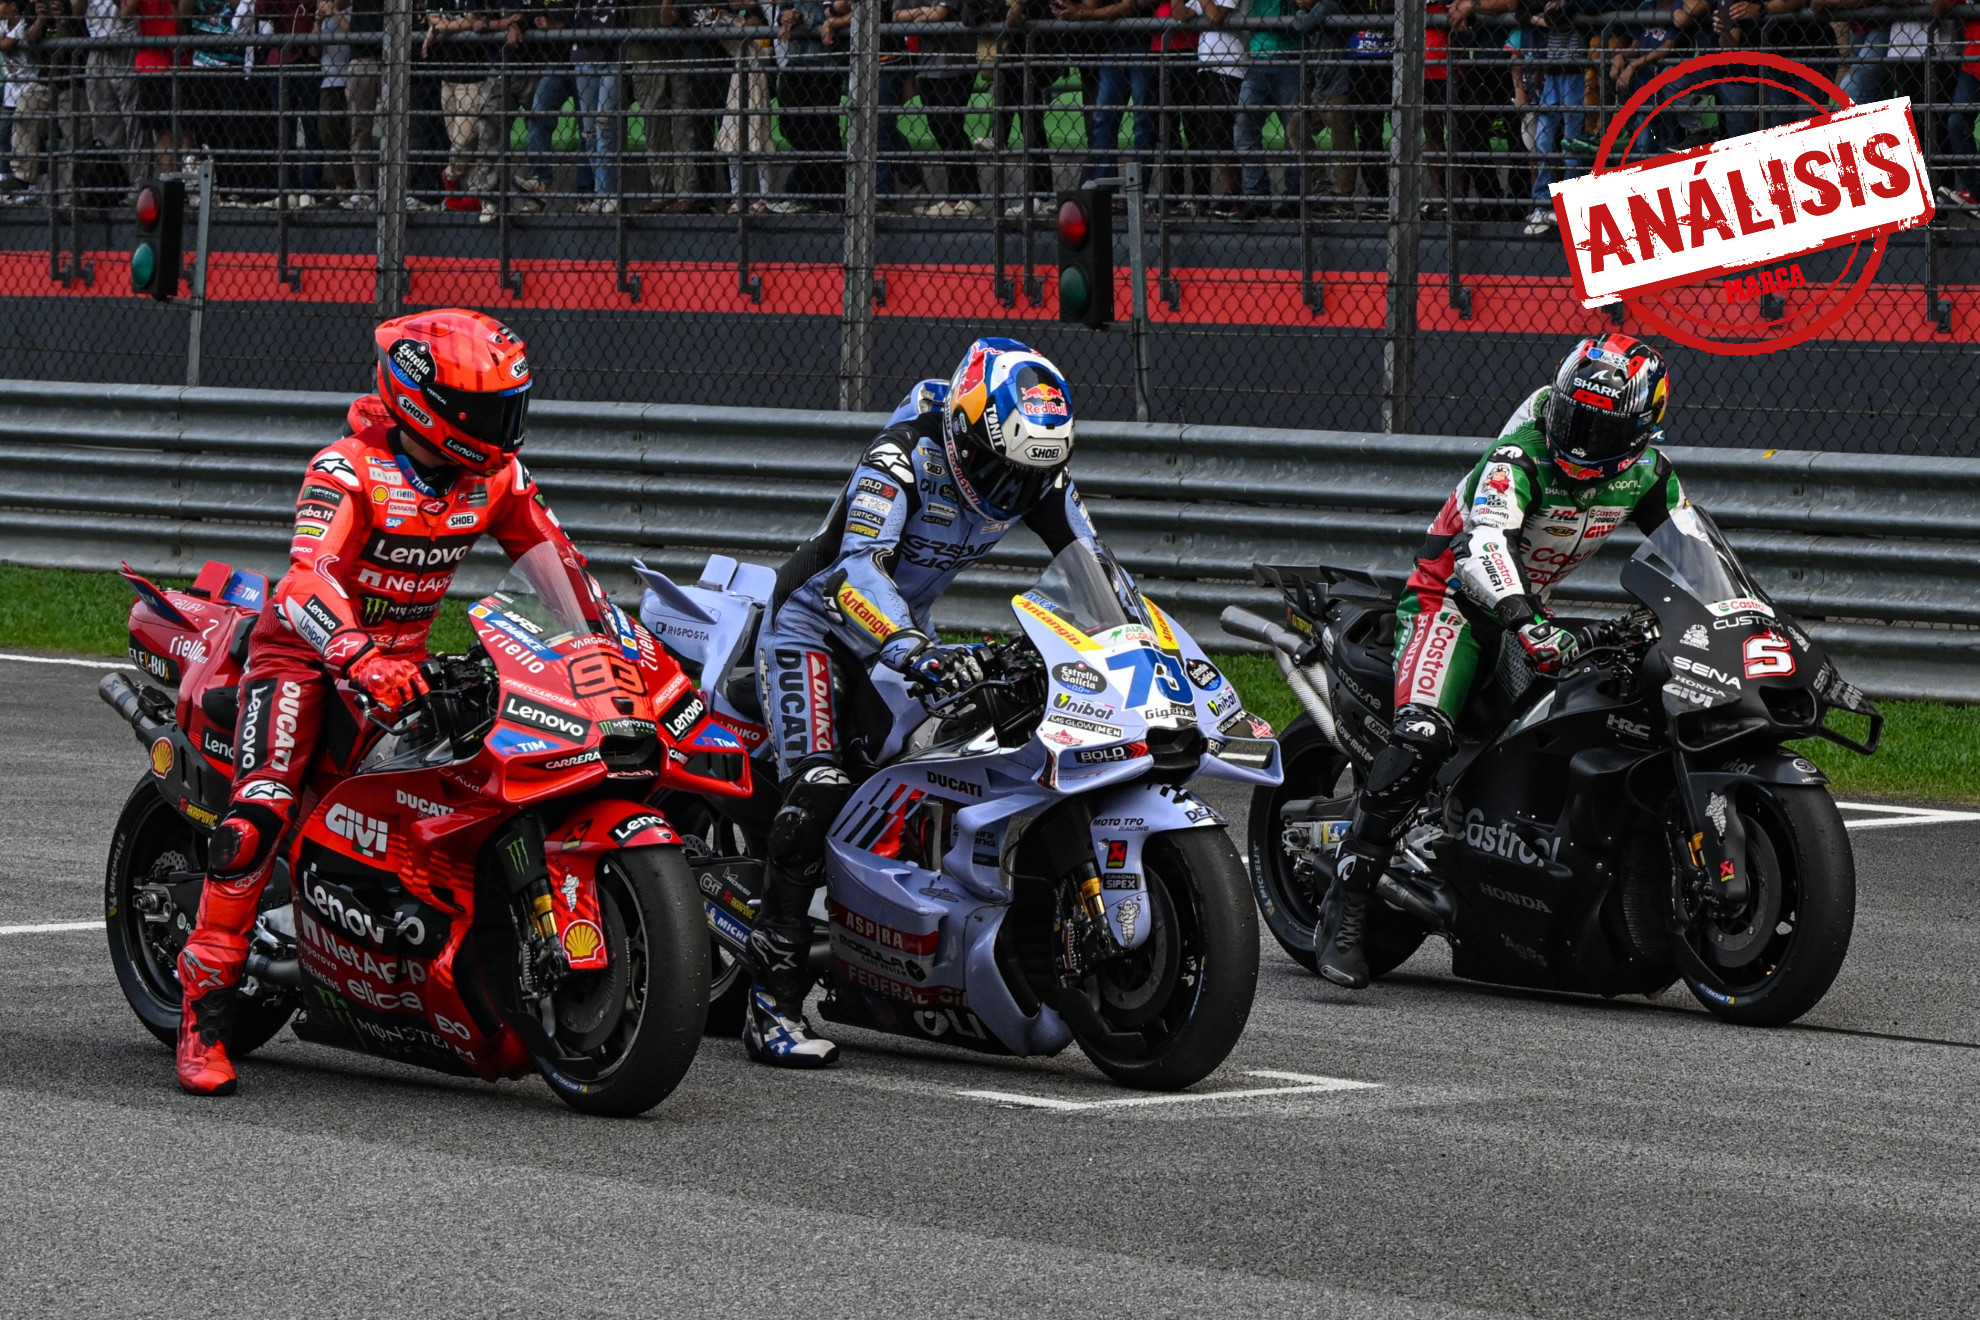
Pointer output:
1881, 556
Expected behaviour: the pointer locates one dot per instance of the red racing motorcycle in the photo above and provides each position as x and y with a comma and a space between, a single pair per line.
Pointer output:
478, 887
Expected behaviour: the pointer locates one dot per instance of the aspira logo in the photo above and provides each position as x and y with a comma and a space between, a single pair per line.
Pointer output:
367, 834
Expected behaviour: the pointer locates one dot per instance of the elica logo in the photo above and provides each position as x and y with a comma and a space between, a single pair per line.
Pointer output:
1833, 187
369, 835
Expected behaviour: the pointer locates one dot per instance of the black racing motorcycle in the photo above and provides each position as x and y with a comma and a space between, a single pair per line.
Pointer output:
1629, 821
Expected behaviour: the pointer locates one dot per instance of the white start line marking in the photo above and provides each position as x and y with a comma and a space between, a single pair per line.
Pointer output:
52, 927
1303, 1084
103, 666
1889, 817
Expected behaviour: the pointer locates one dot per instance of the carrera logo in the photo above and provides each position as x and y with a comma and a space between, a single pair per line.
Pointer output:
567, 762
545, 718
369, 835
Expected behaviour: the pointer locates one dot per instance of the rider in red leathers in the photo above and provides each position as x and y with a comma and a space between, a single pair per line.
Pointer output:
384, 518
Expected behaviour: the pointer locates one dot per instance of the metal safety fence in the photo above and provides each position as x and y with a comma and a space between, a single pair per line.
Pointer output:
1880, 561
812, 203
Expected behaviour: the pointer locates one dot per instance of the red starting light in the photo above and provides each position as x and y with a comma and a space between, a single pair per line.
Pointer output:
147, 207
1072, 224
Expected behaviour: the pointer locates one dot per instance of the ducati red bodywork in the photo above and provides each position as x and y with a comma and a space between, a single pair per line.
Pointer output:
383, 867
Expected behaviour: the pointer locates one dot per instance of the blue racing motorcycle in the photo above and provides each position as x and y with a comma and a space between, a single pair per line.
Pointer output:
1022, 865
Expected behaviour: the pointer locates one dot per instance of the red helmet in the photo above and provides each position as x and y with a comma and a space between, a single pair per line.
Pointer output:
458, 381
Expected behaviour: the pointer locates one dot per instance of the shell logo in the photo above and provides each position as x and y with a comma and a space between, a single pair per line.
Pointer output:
582, 939
161, 757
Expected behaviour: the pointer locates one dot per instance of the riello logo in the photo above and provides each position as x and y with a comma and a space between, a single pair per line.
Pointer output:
1749, 212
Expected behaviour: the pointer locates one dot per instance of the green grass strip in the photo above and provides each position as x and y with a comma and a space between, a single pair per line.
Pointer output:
1931, 751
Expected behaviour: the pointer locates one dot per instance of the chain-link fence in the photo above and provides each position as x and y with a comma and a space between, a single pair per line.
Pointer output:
812, 203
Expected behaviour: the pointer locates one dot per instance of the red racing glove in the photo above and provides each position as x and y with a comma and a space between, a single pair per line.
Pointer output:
388, 680
1548, 645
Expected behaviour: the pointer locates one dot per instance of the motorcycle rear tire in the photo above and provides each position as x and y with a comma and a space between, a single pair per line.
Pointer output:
147, 829
1802, 836
1203, 890
1313, 768
667, 933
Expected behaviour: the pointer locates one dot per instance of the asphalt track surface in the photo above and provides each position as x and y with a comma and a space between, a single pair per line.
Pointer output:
1517, 1154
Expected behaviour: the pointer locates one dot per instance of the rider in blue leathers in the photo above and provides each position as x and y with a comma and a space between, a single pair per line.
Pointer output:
961, 463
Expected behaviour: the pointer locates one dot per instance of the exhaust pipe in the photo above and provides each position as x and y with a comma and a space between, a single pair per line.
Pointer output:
1240, 622
120, 696
275, 971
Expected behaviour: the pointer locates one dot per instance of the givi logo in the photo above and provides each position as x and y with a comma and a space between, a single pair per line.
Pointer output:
367, 834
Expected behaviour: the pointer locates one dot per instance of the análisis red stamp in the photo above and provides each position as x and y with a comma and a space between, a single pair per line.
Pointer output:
1752, 212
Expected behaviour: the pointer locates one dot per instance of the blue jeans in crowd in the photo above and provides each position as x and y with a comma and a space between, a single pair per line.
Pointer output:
1269, 84
894, 172
1865, 79
1960, 125
598, 124
1738, 102
555, 87
595, 89
1119, 84
1557, 90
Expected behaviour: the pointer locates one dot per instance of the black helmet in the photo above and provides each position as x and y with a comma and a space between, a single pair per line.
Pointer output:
1607, 406
1007, 424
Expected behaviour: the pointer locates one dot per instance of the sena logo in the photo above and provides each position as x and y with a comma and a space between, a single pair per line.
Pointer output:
367, 834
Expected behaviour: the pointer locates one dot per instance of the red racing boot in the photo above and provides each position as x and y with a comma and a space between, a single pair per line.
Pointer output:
209, 972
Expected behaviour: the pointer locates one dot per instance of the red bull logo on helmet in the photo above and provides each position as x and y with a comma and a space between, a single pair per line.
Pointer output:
1043, 400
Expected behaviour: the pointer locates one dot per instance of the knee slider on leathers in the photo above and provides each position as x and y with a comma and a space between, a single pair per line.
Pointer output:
811, 803
1419, 744
244, 841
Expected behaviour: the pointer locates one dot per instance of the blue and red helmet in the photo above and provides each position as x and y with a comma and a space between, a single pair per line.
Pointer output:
1607, 406
1007, 425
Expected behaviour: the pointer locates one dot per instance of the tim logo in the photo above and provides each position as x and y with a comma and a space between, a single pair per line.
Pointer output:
369, 835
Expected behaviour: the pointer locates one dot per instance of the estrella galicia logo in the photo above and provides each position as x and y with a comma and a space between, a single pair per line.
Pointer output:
412, 362
1203, 674
1080, 677
548, 719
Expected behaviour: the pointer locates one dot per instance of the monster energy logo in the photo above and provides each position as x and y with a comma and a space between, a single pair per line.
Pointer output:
518, 857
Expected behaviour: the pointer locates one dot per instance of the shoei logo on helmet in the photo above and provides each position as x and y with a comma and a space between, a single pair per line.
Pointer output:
519, 368
413, 411
1653, 232
412, 363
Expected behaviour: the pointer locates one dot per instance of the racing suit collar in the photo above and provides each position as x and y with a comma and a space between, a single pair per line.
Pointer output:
431, 482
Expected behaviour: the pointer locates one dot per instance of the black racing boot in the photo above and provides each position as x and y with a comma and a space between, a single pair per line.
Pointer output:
775, 1031
1343, 917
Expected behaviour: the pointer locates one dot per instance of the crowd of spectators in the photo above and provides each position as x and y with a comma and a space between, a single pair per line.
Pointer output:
1236, 109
